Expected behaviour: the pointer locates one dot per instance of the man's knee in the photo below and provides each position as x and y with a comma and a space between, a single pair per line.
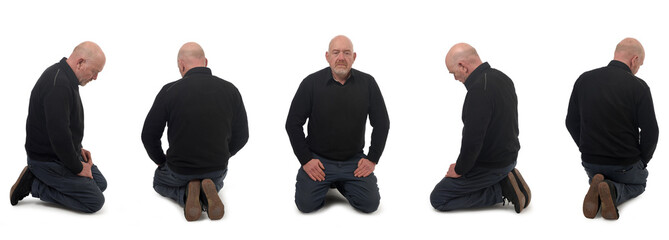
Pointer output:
440, 201
102, 184
95, 204
307, 205
366, 204
436, 202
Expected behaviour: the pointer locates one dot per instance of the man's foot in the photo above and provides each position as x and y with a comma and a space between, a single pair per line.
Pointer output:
607, 194
512, 192
21, 187
215, 208
591, 200
193, 209
523, 186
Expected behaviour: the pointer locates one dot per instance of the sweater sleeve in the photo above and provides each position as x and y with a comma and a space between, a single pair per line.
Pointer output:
648, 124
476, 116
57, 105
300, 110
380, 122
153, 129
573, 120
240, 127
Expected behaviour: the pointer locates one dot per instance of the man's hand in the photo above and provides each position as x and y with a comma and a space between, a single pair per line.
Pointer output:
86, 155
86, 171
451, 172
365, 167
314, 168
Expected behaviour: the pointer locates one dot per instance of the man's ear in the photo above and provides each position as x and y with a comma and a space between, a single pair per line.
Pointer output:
464, 69
80, 61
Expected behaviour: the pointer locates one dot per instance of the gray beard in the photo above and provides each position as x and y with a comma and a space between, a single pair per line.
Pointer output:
341, 72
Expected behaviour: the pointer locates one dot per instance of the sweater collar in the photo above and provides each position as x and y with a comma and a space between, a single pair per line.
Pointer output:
68, 72
198, 70
351, 77
476, 74
621, 65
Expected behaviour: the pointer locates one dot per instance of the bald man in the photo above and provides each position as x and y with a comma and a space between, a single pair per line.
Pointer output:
612, 120
337, 101
59, 169
484, 173
207, 125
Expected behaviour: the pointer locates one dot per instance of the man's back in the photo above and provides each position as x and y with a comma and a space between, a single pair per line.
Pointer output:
607, 108
55, 123
206, 122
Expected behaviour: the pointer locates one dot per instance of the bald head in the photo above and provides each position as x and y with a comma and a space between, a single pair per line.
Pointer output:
630, 52
86, 61
340, 40
461, 60
190, 55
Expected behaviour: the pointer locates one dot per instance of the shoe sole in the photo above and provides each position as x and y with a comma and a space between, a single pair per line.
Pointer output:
16, 184
215, 209
591, 200
609, 210
519, 194
525, 189
193, 209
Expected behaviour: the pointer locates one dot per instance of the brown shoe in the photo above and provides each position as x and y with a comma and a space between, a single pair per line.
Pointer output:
607, 194
21, 187
193, 209
512, 192
215, 208
591, 200
523, 186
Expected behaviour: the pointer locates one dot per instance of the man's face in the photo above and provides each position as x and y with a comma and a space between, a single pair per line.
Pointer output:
340, 56
88, 69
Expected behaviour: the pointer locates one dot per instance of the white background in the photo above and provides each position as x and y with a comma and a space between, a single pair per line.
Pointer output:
267, 47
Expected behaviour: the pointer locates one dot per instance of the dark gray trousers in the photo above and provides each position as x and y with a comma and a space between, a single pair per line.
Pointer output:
56, 184
173, 185
478, 188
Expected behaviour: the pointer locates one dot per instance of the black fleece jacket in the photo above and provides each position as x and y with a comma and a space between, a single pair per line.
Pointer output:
611, 116
55, 125
490, 117
337, 117
206, 122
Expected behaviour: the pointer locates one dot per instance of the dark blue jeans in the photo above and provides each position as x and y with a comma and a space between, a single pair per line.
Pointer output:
173, 185
478, 188
361, 192
630, 180
56, 184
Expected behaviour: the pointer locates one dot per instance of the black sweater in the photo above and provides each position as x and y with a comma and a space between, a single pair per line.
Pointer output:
607, 108
206, 123
490, 117
55, 125
337, 117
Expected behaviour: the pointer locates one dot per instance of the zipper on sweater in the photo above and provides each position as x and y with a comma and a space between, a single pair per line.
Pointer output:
485, 82
54, 78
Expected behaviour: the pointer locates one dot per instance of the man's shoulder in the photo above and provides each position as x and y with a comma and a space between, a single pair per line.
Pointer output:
170, 85
495, 73
222, 81
210, 81
598, 70
361, 74
609, 72
51, 72
323, 74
